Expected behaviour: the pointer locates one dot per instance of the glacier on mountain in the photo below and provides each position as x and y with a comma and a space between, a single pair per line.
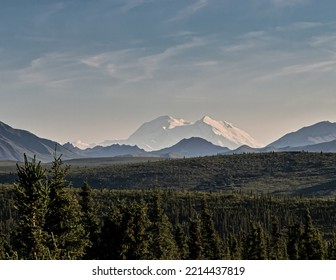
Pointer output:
166, 131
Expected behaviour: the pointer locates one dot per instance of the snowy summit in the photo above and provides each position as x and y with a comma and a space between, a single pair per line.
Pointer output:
166, 131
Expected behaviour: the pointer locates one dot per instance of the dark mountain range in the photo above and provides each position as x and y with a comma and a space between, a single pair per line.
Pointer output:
326, 147
315, 134
245, 149
109, 151
320, 137
16, 142
192, 147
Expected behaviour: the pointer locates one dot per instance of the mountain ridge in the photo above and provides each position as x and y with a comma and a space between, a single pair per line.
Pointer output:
16, 142
191, 147
166, 131
324, 131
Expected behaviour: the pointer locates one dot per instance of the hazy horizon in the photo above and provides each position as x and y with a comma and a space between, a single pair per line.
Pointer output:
82, 144
96, 70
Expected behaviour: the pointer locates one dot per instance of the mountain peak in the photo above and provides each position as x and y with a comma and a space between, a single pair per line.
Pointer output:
217, 124
173, 122
16, 142
68, 145
206, 118
163, 118
163, 122
166, 131
191, 147
317, 133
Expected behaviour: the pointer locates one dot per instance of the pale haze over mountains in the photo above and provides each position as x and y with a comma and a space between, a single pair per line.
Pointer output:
171, 138
15, 142
315, 134
166, 131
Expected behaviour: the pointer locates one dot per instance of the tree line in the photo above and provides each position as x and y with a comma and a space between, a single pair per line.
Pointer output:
45, 218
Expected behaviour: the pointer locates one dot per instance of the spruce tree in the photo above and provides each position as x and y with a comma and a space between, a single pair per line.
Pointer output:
182, 242
313, 247
90, 220
163, 245
234, 247
3, 245
212, 245
196, 248
6, 250
64, 220
136, 240
277, 248
294, 241
125, 232
31, 203
142, 227
331, 251
112, 232
255, 246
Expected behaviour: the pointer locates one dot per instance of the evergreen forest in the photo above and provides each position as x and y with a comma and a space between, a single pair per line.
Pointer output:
272, 206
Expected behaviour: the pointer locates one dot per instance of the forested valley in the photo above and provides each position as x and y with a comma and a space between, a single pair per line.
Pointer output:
43, 216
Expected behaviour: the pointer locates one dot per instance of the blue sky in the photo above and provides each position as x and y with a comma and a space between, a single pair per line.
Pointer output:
96, 70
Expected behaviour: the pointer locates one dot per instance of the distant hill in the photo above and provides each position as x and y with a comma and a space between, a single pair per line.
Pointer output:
244, 149
192, 147
113, 150
315, 134
320, 137
16, 142
326, 147
287, 173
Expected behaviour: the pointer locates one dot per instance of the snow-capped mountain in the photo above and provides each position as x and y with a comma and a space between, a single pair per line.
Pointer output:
315, 134
170, 136
166, 131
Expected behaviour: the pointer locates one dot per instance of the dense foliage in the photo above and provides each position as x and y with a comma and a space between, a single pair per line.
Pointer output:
43, 217
287, 173
293, 173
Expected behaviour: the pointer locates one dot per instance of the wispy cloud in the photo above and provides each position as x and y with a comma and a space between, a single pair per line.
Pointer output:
285, 3
241, 47
103, 59
207, 63
189, 10
182, 33
133, 65
121, 65
296, 26
274, 38
131, 4
313, 67
321, 66
50, 71
152, 63
326, 40
37, 71
253, 34
249, 41
49, 11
